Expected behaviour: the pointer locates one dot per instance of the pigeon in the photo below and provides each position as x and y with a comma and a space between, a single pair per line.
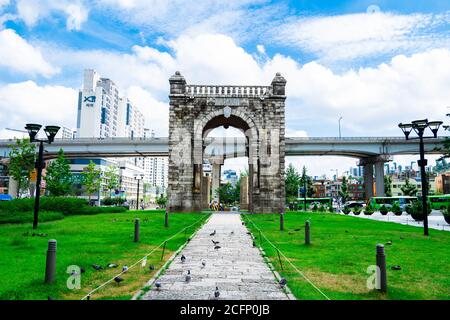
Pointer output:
396, 268
346, 231
188, 276
296, 229
217, 247
216, 293
282, 282
249, 233
389, 242
254, 244
125, 268
97, 267
82, 270
215, 242
243, 223
213, 233
183, 258
118, 279
158, 285
203, 263
151, 267
112, 265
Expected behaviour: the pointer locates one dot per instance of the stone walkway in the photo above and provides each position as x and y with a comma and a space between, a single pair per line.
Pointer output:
237, 268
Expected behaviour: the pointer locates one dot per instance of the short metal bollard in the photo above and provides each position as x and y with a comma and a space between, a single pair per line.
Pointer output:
381, 264
166, 219
50, 266
281, 221
307, 233
136, 230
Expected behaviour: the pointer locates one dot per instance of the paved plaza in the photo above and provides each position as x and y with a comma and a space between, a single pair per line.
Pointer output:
435, 220
236, 268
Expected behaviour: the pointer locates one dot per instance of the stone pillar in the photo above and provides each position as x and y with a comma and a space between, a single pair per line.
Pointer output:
368, 180
12, 187
206, 190
215, 180
244, 193
379, 179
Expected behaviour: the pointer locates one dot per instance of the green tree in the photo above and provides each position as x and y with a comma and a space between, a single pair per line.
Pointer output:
309, 183
112, 179
408, 189
161, 201
292, 182
92, 179
226, 193
58, 177
343, 193
21, 163
387, 186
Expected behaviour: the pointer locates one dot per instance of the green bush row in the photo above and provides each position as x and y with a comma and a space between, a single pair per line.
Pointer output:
65, 205
25, 217
113, 201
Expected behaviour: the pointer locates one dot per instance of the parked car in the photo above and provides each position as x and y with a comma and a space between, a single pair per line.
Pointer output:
352, 204
5, 197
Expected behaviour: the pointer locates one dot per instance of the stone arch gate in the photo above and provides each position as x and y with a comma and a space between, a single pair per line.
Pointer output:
258, 111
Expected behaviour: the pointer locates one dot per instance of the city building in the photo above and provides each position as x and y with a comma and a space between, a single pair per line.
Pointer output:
442, 183
156, 169
4, 179
230, 176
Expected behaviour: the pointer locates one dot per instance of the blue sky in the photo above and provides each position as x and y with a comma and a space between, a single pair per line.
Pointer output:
375, 63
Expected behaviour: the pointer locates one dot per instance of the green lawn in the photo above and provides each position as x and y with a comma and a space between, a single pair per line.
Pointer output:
83, 241
342, 249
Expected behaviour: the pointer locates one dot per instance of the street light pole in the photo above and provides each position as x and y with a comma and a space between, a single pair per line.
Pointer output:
423, 177
340, 118
38, 184
51, 132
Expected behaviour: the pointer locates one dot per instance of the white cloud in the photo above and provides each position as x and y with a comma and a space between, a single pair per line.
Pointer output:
360, 35
25, 102
18, 55
31, 11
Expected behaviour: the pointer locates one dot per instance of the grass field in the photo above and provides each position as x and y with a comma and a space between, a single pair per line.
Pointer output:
342, 249
83, 241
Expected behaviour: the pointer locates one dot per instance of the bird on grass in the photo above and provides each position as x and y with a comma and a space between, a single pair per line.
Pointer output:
188, 276
213, 233
282, 282
112, 265
389, 242
183, 258
118, 279
396, 268
215, 242
125, 268
97, 267
82, 270
203, 263
254, 244
151, 267
157, 285
217, 247
243, 223
216, 293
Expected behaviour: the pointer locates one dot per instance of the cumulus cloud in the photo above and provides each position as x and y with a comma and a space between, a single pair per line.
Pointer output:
31, 11
25, 102
18, 55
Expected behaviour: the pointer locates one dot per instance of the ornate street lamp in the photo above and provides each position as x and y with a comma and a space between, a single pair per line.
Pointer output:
419, 127
138, 178
51, 132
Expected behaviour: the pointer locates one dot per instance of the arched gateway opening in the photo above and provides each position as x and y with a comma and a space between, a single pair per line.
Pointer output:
258, 111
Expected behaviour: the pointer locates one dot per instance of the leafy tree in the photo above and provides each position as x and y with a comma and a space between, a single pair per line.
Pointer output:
21, 162
387, 186
92, 179
292, 182
343, 193
58, 176
309, 183
161, 201
408, 189
226, 193
112, 179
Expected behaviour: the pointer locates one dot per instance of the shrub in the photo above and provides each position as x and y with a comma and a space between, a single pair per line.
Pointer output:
396, 209
27, 216
383, 210
346, 210
315, 208
408, 209
113, 201
416, 213
356, 211
446, 214
321, 208
368, 210
66, 205
330, 208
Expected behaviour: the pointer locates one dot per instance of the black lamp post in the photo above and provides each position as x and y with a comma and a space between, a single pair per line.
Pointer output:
138, 178
51, 132
419, 127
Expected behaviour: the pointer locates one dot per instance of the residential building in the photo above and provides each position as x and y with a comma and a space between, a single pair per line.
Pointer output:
156, 169
442, 183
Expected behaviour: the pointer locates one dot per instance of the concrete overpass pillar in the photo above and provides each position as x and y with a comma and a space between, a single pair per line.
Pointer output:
379, 178
368, 180
215, 180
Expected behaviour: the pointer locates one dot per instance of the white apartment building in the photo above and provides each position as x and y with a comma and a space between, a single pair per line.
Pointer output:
156, 169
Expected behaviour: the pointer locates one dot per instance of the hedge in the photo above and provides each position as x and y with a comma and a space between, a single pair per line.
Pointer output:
22, 217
